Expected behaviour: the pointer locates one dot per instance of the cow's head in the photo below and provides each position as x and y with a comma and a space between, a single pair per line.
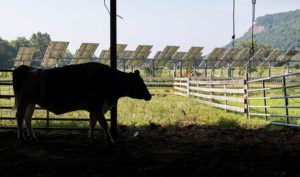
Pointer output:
138, 87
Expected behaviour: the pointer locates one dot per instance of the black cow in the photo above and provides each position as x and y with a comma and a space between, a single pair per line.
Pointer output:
93, 87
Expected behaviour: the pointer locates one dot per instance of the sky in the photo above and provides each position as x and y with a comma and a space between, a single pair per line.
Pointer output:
183, 23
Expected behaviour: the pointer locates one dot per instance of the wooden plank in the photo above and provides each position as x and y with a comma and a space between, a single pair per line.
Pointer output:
274, 77
224, 82
217, 90
215, 97
180, 84
180, 94
274, 97
180, 89
274, 115
273, 88
290, 107
180, 79
231, 108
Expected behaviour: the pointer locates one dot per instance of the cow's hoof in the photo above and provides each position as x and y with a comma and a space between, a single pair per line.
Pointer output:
21, 142
110, 143
32, 139
92, 141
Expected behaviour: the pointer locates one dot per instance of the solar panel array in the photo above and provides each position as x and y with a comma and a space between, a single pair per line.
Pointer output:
191, 56
259, 57
165, 56
139, 56
24, 56
228, 57
54, 52
241, 58
84, 53
219, 57
105, 54
288, 56
213, 57
272, 57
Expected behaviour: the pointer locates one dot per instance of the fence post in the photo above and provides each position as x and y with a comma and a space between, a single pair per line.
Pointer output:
153, 68
270, 69
47, 119
188, 86
286, 101
225, 94
246, 95
264, 95
180, 68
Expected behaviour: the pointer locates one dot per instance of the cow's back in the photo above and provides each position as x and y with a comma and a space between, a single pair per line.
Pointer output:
78, 87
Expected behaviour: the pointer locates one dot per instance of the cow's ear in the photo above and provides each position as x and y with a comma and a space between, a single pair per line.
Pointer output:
137, 72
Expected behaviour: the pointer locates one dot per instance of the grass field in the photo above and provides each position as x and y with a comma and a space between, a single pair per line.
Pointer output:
161, 110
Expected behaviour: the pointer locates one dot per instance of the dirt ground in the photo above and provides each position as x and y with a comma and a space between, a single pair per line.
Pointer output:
177, 150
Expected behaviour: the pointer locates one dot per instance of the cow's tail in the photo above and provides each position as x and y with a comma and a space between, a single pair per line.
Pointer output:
19, 75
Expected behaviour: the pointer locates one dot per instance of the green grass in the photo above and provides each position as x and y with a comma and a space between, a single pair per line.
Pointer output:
171, 109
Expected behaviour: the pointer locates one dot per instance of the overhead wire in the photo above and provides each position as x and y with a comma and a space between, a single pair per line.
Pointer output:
109, 10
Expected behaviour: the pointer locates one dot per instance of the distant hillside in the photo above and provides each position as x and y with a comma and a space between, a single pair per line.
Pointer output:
281, 30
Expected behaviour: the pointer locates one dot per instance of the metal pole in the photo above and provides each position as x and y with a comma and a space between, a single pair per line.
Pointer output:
113, 58
153, 68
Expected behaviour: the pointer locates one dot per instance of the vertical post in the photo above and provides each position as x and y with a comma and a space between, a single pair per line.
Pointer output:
174, 75
229, 71
225, 95
264, 95
286, 101
180, 68
246, 95
113, 58
47, 119
188, 86
205, 70
153, 68
124, 65
270, 69
213, 71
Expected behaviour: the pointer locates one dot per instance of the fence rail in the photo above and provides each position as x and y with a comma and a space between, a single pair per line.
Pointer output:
207, 90
281, 109
248, 92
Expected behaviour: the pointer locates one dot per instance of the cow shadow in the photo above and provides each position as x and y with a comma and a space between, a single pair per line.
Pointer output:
156, 150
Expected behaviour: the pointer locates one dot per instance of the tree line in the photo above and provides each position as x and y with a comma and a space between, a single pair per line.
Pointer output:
9, 49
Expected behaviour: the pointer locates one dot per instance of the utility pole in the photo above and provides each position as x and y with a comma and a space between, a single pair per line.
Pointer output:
113, 58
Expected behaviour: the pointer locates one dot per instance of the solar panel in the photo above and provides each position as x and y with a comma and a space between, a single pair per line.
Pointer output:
127, 54
241, 58
165, 56
288, 56
140, 54
124, 57
54, 52
272, 57
178, 56
193, 54
227, 58
24, 56
258, 57
175, 58
157, 54
213, 57
105, 57
84, 53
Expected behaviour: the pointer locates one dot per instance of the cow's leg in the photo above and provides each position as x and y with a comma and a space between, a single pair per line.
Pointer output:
93, 122
102, 121
21, 109
28, 117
